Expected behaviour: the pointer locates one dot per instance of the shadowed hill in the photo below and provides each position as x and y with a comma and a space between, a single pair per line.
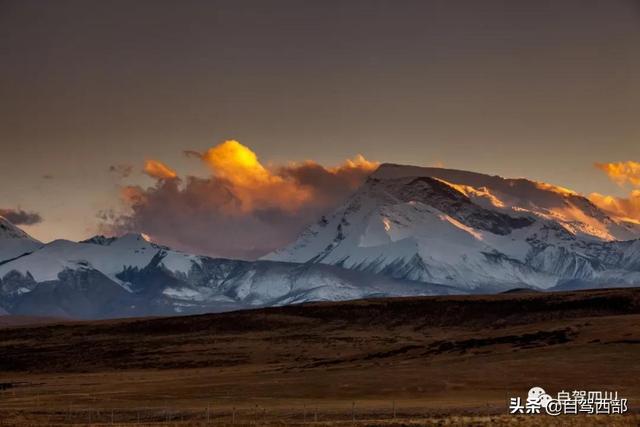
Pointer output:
144, 343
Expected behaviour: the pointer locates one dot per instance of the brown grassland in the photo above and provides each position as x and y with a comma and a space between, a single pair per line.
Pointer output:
401, 361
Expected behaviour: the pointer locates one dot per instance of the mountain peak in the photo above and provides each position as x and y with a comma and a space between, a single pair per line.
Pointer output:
394, 170
134, 238
464, 228
103, 240
574, 211
10, 231
99, 239
14, 242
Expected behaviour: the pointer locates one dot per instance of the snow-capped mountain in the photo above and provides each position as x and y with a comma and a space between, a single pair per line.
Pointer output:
14, 242
107, 255
132, 276
407, 231
465, 229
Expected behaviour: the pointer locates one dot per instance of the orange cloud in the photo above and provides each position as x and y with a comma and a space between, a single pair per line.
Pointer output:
243, 210
159, 170
622, 172
358, 163
624, 208
237, 163
258, 186
252, 183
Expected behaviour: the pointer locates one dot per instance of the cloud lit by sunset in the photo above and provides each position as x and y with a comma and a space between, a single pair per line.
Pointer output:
622, 172
624, 208
237, 163
252, 183
358, 162
243, 209
159, 170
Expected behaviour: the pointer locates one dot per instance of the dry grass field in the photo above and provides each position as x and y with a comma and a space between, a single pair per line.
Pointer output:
412, 361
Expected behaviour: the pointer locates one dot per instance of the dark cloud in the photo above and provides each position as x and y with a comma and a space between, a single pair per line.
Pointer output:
192, 153
21, 217
121, 170
327, 183
240, 215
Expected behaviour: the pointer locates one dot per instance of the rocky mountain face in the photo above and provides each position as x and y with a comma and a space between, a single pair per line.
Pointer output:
477, 232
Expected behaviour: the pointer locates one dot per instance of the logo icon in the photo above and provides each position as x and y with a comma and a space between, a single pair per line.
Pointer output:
568, 403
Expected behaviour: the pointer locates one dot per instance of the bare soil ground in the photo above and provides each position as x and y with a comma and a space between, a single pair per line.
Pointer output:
431, 361
12, 321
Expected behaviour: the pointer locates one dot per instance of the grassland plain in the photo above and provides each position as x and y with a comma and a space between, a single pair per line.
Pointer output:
401, 361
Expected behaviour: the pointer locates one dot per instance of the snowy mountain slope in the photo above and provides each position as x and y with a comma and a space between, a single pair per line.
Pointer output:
575, 212
130, 276
88, 294
479, 232
109, 256
277, 283
14, 242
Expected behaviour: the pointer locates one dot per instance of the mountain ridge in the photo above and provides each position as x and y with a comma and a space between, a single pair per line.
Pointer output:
406, 231
132, 276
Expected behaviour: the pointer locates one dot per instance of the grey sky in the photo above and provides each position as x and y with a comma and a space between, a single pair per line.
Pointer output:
541, 89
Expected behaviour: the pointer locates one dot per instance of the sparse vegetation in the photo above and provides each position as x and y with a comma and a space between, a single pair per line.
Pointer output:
432, 361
